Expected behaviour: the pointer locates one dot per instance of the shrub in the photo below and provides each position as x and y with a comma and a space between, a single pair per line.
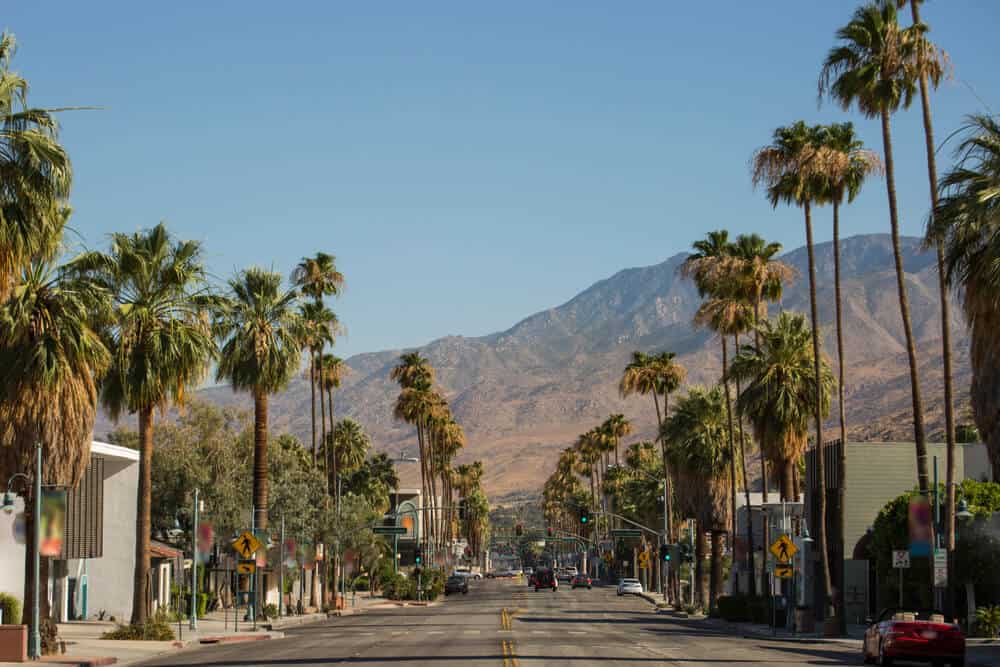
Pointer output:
735, 608
988, 621
49, 632
11, 607
270, 611
156, 628
361, 584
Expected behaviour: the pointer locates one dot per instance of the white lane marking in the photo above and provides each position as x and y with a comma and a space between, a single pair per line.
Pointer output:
470, 632
538, 632
400, 632
577, 632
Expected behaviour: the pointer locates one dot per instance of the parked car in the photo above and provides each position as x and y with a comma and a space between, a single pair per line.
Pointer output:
581, 581
456, 584
922, 636
531, 580
564, 574
629, 586
466, 572
546, 579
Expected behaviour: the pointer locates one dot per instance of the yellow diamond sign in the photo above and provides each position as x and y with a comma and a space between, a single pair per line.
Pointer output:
246, 544
784, 549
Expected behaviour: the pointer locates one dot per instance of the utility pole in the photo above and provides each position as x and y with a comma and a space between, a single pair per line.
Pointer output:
281, 570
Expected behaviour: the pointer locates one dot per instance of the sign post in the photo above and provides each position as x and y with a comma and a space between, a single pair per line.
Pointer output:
940, 568
901, 561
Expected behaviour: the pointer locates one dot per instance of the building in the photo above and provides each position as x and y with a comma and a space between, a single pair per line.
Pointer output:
876, 472
93, 574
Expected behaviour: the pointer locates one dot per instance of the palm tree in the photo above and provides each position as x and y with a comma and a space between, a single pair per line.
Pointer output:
319, 327
259, 327
877, 66
346, 445
52, 358
161, 343
318, 277
655, 375
794, 168
696, 438
779, 391
413, 405
728, 314
859, 164
930, 53
35, 176
330, 373
966, 223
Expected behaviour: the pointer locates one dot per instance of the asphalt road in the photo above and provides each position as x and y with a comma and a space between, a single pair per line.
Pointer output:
502, 623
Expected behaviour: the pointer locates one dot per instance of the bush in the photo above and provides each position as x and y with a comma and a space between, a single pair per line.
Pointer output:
360, 584
735, 608
49, 632
156, 628
988, 621
11, 607
270, 611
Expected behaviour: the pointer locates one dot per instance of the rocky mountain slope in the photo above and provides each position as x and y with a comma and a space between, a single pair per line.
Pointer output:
525, 393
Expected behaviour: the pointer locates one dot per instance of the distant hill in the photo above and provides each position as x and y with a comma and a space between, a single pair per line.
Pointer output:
525, 393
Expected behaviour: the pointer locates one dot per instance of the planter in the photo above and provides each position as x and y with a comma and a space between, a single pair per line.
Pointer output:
13, 643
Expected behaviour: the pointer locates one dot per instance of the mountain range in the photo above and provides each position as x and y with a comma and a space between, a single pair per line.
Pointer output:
525, 393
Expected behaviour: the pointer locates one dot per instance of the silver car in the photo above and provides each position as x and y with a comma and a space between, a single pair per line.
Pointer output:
629, 586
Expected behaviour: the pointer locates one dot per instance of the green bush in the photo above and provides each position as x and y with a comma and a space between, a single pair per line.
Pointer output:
156, 628
361, 583
270, 611
11, 607
988, 621
735, 608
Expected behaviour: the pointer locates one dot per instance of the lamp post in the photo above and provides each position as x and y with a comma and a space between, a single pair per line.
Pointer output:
193, 624
35, 640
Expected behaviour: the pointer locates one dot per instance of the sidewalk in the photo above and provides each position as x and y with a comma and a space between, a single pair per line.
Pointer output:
85, 647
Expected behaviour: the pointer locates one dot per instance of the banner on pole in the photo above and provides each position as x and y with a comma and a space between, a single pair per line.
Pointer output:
921, 532
53, 524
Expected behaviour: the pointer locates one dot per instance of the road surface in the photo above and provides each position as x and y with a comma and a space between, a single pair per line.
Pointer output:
506, 624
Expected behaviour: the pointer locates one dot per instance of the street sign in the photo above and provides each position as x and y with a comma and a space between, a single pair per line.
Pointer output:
625, 532
940, 568
644, 560
246, 544
783, 571
783, 549
901, 559
390, 530
246, 568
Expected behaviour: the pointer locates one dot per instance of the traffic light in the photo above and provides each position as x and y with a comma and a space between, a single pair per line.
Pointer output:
584, 517
418, 556
665, 554
684, 552
518, 529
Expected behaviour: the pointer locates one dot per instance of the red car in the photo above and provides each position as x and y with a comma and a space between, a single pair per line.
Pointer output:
922, 636
581, 581
545, 579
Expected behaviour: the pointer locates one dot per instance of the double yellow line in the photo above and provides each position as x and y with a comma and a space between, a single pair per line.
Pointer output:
505, 619
509, 659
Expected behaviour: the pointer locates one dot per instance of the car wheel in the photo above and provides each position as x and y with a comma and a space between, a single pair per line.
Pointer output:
588, 588
958, 663
536, 589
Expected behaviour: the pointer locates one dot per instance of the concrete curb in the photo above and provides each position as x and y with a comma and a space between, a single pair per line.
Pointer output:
234, 639
76, 661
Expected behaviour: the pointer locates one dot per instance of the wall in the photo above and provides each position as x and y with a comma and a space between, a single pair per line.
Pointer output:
110, 577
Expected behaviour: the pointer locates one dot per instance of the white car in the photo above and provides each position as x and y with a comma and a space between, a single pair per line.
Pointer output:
468, 574
629, 586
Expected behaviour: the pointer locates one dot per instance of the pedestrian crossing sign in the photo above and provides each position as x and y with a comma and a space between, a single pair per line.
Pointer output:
784, 549
246, 544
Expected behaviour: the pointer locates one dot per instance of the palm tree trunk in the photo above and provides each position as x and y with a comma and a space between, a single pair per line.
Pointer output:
732, 440
949, 417
923, 480
312, 398
786, 481
141, 583
842, 457
260, 458
821, 542
717, 581
746, 493
700, 575
756, 342
323, 429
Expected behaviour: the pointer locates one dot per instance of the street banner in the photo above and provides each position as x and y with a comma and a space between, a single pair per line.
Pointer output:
206, 538
319, 551
921, 533
53, 524
290, 551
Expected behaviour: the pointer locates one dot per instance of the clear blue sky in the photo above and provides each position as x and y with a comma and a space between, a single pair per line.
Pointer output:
469, 163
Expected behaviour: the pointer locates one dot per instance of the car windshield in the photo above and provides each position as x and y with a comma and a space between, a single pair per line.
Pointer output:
630, 581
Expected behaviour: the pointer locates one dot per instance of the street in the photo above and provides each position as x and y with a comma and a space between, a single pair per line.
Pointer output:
564, 628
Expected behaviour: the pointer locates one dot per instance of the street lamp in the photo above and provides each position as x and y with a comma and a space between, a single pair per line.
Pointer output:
963, 512
35, 641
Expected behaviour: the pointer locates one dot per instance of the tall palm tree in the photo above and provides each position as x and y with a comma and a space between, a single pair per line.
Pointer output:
259, 327
346, 446
35, 176
330, 373
966, 223
760, 277
930, 53
317, 277
319, 327
696, 437
858, 165
161, 343
794, 168
413, 405
876, 66
728, 314
52, 358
